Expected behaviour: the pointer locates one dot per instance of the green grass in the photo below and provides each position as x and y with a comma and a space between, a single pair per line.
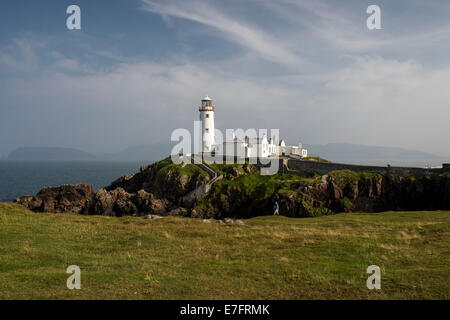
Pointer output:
267, 183
166, 166
167, 170
184, 258
347, 176
188, 170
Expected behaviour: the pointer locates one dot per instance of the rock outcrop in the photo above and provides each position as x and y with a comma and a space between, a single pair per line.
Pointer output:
155, 189
66, 198
159, 189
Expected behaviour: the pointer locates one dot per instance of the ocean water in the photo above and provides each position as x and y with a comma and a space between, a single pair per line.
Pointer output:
18, 178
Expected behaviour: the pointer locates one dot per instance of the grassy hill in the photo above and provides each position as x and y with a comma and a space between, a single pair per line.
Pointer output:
263, 258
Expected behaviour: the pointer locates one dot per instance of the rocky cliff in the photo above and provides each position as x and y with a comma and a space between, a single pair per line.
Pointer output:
338, 191
243, 192
155, 189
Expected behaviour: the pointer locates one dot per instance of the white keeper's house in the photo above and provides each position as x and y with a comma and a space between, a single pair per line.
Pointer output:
248, 147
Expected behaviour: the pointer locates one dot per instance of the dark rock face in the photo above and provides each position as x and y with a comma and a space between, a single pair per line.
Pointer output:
148, 203
378, 193
340, 192
65, 198
423, 193
116, 202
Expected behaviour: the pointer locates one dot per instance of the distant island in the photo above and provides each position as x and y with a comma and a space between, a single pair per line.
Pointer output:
151, 152
375, 155
49, 153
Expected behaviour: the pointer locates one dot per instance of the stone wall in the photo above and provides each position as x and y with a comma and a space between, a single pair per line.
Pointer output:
289, 165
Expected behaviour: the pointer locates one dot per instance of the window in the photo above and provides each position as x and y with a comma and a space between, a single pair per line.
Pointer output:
207, 130
207, 115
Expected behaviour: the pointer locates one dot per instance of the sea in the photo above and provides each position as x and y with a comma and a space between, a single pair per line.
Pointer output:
18, 178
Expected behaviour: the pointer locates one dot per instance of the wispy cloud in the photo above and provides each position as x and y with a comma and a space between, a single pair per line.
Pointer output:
344, 27
249, 37
20, 55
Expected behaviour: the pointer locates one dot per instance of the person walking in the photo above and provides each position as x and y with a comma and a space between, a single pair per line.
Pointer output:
277, 209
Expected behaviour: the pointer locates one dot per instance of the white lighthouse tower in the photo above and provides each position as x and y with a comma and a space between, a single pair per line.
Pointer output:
207, 119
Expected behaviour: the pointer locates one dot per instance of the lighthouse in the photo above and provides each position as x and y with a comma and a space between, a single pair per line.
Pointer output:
207, 118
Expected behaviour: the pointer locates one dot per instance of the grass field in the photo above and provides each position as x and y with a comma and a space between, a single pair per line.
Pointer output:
264, 258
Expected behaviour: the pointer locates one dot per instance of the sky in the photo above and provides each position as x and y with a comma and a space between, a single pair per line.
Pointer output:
137, 69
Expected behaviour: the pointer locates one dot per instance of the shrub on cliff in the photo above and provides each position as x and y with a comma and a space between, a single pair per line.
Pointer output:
343, 177
173, 181
314, 158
